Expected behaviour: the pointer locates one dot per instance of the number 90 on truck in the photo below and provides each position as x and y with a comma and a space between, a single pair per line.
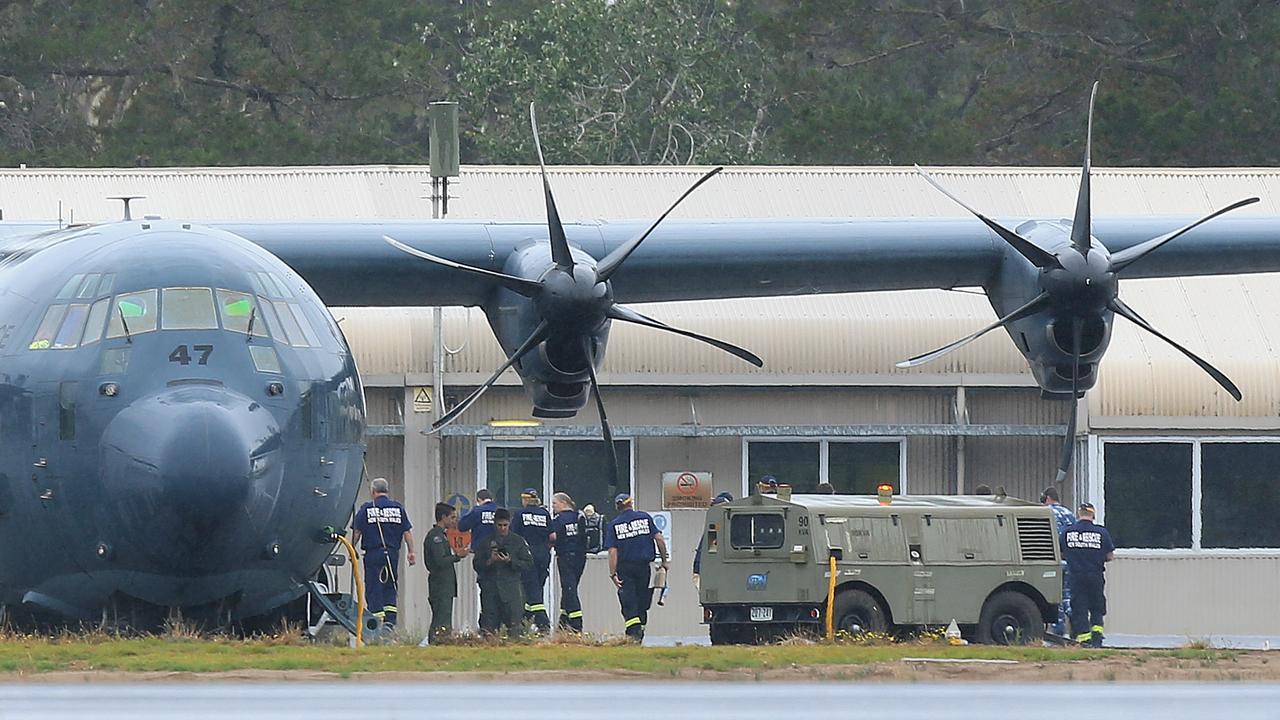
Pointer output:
991, 563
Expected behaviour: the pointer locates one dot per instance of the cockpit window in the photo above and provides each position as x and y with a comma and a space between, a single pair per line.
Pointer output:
299, 317
86, 286
240, 313
48, 326
97, 317
188, 308
72, 327
265, 358
71, 287
136, 310
270, 285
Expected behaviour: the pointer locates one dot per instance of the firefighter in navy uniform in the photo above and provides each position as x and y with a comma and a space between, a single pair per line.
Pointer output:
570, 542
479, 522
1086, 548
633, 542
500, 565
533, 523
380, 526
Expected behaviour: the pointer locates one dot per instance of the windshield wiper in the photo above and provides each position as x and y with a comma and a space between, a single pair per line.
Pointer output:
125, 324
253, 315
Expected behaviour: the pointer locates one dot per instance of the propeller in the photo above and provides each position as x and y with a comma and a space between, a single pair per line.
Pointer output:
1078, 281
573, 297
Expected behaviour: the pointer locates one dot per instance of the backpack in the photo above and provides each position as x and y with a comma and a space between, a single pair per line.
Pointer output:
593, 532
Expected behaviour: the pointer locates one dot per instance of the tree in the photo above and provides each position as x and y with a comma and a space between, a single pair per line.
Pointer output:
632, 81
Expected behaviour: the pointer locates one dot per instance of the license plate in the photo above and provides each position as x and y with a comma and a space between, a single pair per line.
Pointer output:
761, 614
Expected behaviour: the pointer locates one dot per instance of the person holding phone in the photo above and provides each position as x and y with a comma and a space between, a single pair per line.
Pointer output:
500, 564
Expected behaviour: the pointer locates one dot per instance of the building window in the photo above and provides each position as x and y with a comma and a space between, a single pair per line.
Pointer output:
581, 469
798, 464
577, 467
857, 468
851, 466
1192, 494
1148, 494
510, 469
1240, 496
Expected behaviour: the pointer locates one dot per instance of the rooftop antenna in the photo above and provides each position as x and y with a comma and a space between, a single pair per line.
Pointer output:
443, 152
128, 215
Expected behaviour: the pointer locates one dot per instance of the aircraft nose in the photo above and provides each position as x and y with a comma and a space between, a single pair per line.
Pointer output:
179, 465
203, 461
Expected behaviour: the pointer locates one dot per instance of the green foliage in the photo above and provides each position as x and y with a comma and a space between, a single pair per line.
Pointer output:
210, 82
634, 81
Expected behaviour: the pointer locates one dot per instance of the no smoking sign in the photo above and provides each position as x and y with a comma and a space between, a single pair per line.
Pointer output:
686, 490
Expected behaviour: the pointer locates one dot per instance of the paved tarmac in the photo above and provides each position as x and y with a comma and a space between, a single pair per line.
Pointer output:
1234, 642
621, 701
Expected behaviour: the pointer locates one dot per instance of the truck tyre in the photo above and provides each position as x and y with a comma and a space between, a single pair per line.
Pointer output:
857, 612
1010, 618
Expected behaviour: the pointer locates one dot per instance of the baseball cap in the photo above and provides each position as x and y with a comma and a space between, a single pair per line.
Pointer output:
723, 497
622, 499
529, 492
769, 480
1088, 507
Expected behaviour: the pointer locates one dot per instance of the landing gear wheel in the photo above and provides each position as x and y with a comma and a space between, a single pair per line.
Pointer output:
857, 612
1010, 618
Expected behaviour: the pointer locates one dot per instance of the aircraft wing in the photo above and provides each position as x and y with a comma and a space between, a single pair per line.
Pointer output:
349, 263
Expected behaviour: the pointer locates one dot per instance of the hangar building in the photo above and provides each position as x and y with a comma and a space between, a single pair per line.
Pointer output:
1185, 477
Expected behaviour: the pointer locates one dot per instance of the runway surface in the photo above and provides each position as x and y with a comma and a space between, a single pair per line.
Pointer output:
620, 701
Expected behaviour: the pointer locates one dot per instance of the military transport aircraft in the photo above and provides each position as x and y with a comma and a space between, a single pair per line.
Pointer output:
181, 418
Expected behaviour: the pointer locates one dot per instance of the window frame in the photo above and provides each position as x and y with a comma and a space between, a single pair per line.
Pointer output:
1097, 491
824, 445
548, 461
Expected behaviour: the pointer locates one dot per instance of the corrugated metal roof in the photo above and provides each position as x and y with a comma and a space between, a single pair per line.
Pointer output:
388, 191
814, 340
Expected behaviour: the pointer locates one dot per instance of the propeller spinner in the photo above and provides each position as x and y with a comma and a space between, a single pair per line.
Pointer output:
1078, 283
573, 300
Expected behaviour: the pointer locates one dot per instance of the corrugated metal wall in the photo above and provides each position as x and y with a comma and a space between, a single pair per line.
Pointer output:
1193, 595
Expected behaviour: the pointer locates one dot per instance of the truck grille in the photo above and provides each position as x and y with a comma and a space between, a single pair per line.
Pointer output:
1036, 538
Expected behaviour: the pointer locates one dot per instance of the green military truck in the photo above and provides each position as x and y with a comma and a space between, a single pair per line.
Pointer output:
990, 563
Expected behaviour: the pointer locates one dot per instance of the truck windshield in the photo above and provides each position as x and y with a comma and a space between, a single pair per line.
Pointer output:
756, 531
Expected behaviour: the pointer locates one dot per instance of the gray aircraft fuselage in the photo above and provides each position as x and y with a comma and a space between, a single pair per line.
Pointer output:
186, 445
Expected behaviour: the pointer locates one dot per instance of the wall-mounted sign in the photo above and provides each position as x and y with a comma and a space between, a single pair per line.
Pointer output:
686, 490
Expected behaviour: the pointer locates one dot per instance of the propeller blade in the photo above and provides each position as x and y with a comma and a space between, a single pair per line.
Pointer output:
1068, 445
1128, 256
539, 334
520, 285
614, 260
1033, 253
1120, 308
1036, 305
619, 312
1081, 226
604, 419
559, 244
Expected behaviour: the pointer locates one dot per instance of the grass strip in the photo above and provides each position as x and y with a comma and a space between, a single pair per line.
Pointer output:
42, 655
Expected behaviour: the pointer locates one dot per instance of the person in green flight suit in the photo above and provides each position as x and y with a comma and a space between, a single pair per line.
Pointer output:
442, 581
499, 565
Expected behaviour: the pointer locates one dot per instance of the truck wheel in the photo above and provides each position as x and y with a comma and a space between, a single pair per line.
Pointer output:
857, 612
1010, 618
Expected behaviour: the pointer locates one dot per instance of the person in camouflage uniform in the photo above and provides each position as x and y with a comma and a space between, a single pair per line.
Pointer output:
500, 564
442, 581
1064, 519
